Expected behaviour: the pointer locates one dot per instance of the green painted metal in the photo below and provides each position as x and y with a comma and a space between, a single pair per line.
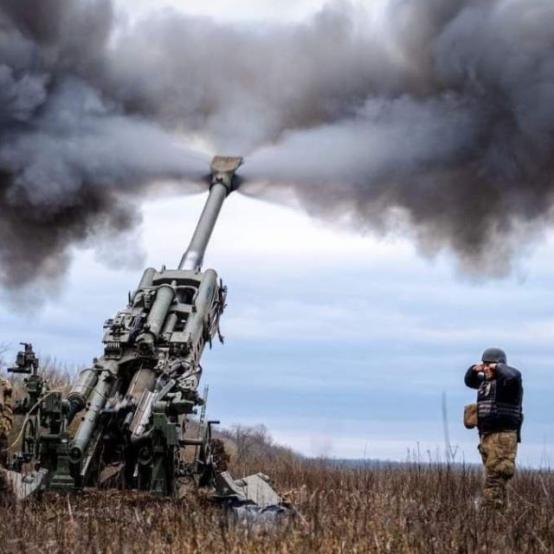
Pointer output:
132, 405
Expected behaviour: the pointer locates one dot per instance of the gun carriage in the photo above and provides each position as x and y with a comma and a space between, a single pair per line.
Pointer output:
132, 407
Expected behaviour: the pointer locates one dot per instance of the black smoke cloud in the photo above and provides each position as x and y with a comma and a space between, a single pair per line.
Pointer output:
458, 146
433, 114
72, 158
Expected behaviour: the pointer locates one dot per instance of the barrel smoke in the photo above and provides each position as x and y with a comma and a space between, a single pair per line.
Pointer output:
72, 158
435, 117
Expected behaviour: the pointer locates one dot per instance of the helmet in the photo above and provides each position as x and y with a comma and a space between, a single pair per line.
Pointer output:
494, 355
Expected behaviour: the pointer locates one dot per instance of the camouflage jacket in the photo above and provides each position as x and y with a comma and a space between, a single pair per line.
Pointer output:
6, 413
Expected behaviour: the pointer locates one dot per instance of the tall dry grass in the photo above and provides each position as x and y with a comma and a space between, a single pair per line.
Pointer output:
428, 509
416, 508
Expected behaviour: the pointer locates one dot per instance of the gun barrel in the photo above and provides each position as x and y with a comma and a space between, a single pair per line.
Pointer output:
223, 172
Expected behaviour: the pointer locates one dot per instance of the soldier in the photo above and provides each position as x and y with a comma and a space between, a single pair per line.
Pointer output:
499, 419
6, 419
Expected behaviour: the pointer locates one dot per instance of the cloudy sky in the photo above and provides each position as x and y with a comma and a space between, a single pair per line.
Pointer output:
341, 344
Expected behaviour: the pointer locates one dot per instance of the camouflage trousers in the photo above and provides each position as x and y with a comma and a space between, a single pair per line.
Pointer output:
6, 419
498, 452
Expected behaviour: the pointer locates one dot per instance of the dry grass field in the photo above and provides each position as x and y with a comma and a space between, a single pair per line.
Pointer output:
416, 508
426, 509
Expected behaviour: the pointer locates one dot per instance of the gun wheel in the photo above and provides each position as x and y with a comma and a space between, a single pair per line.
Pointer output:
29, 438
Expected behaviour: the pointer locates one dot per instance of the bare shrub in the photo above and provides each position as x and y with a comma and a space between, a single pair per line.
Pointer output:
252, 446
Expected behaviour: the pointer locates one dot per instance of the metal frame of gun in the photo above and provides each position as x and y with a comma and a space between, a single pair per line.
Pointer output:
43, 431
132, 406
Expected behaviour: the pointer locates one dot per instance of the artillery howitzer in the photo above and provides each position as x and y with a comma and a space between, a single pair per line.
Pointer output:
132, 407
